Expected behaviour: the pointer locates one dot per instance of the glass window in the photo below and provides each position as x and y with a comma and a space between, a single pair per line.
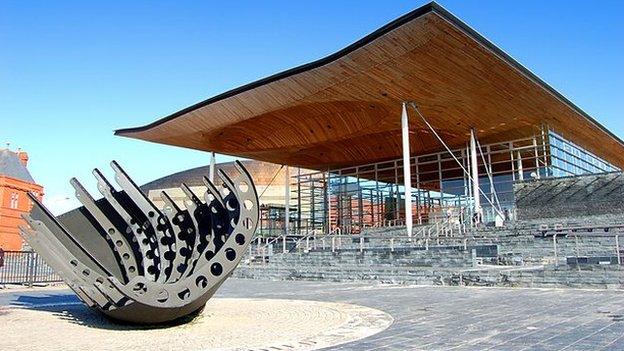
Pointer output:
571, 159
14, 200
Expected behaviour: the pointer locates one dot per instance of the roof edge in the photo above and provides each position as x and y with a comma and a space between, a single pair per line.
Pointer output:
430, 7
420, 11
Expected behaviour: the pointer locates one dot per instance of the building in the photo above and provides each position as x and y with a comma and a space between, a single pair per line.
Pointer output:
15, 183
423, 118
269, 179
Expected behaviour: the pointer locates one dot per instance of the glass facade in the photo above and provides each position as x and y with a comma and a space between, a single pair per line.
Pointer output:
350, 199
568, 159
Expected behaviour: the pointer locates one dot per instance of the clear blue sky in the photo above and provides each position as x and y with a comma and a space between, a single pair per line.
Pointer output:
72, 72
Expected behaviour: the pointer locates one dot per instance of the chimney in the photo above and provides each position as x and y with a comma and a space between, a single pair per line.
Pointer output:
23, 157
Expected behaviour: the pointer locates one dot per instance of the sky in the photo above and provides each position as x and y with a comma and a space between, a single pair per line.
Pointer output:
73, 72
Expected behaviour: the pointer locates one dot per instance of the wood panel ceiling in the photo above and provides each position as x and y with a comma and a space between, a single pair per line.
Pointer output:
345, 109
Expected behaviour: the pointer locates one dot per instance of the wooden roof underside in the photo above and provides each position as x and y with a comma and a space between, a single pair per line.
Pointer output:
345, 109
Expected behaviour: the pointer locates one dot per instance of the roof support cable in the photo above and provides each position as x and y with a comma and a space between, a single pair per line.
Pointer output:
411, 103
271, 182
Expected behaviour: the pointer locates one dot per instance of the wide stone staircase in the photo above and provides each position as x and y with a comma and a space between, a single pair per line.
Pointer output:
563, 252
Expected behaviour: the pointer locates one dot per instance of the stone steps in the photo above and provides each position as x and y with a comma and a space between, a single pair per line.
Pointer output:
511, 256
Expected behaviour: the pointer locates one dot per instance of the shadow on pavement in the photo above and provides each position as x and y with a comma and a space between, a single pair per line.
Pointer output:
67, 307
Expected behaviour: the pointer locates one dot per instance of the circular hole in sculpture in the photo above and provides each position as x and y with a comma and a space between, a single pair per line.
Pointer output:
139, 288
240, 239
230, 254
169, 255
162, 296
209, 254
216, 269
185, 294
201, 282
247, 223
248, 204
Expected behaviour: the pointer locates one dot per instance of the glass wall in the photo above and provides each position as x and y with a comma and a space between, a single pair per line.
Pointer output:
351, 199
569, 159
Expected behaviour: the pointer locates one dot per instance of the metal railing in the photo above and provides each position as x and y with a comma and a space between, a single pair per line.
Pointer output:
26, 267
264, 247
601, 243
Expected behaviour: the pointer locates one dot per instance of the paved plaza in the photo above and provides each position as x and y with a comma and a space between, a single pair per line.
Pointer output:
424, 317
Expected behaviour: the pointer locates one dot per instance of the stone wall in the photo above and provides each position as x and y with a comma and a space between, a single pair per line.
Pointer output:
587, 195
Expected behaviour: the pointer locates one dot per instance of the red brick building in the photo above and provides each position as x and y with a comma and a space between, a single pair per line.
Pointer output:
15, 183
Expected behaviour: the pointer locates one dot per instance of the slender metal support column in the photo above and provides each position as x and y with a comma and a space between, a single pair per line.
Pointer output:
537, 168
407, 174
286, 199
211, 173
520, 170
468, 177
545, 140
475, 175
326, 178
310, 184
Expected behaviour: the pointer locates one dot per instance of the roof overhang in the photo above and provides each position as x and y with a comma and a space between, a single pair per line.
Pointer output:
345, 109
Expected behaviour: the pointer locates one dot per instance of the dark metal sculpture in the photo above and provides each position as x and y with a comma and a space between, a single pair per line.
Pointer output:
137, 263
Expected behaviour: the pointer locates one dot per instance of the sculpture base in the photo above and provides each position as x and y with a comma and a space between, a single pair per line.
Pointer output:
223, 324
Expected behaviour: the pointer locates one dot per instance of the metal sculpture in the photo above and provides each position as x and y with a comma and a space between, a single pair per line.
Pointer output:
134, 262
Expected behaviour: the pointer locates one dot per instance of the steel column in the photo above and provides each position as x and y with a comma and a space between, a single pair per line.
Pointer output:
520, 170
407, 174
211, 173
475, 174
286, 200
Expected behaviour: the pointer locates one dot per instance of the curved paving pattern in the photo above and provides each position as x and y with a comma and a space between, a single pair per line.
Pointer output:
225, 324
430, 317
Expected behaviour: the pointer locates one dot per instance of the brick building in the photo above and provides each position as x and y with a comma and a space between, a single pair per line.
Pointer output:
15, 183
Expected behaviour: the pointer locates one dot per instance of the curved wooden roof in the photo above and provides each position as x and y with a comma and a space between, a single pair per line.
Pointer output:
345, 109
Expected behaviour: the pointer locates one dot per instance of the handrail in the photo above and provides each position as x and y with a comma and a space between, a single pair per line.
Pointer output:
313, 235
267, 243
